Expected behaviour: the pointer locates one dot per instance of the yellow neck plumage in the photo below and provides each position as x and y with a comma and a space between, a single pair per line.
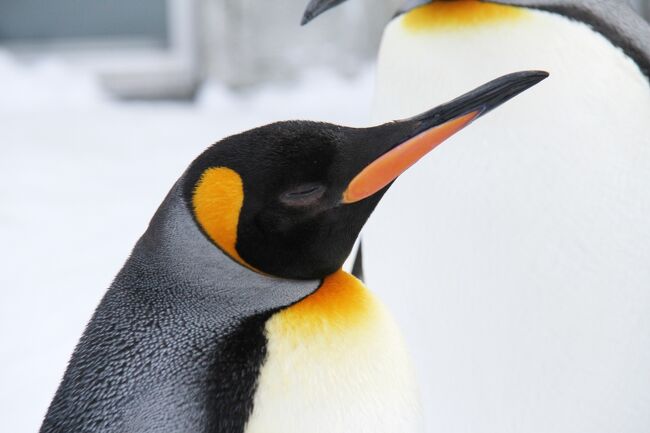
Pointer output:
452, 15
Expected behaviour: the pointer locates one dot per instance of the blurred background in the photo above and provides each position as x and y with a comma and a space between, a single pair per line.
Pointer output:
102, 106
165, 49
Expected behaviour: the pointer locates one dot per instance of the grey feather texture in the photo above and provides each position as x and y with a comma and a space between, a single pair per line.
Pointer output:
177, 342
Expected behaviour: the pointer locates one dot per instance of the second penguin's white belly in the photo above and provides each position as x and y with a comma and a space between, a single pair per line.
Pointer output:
523, 240
336, 363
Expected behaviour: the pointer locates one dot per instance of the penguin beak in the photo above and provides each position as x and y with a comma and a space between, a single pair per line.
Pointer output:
427, 130
317, 7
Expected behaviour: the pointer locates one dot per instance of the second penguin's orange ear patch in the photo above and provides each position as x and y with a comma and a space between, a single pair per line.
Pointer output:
455, 14
217, 201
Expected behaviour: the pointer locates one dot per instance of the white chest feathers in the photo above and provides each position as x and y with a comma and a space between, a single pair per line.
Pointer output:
336, 363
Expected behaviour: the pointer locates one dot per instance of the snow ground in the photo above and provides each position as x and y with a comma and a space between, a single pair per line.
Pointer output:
80, 177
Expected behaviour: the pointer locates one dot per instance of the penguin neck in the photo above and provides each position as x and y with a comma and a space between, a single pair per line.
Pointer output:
181, 319
536, 38
174, 247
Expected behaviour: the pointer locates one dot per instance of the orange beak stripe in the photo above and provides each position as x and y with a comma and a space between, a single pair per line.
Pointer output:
393, 163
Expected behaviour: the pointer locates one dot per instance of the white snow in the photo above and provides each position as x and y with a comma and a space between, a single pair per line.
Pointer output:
80, 176
45, 84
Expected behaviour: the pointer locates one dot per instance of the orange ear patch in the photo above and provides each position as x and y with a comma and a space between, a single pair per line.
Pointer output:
447, 15
217, 200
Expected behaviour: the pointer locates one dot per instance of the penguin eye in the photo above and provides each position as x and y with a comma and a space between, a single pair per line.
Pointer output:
303, 195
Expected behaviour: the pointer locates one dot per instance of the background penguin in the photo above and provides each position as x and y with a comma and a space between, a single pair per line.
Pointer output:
536, 293
232, 314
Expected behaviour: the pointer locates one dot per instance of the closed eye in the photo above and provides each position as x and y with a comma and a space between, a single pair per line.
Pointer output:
303, 195
305, 190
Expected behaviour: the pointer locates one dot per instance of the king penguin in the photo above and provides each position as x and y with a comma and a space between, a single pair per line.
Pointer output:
232, 313
530, 277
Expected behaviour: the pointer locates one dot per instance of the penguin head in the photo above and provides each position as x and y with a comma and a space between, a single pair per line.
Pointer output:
289, 199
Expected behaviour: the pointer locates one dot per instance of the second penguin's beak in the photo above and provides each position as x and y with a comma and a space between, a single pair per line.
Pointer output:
317, 7
424, 132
